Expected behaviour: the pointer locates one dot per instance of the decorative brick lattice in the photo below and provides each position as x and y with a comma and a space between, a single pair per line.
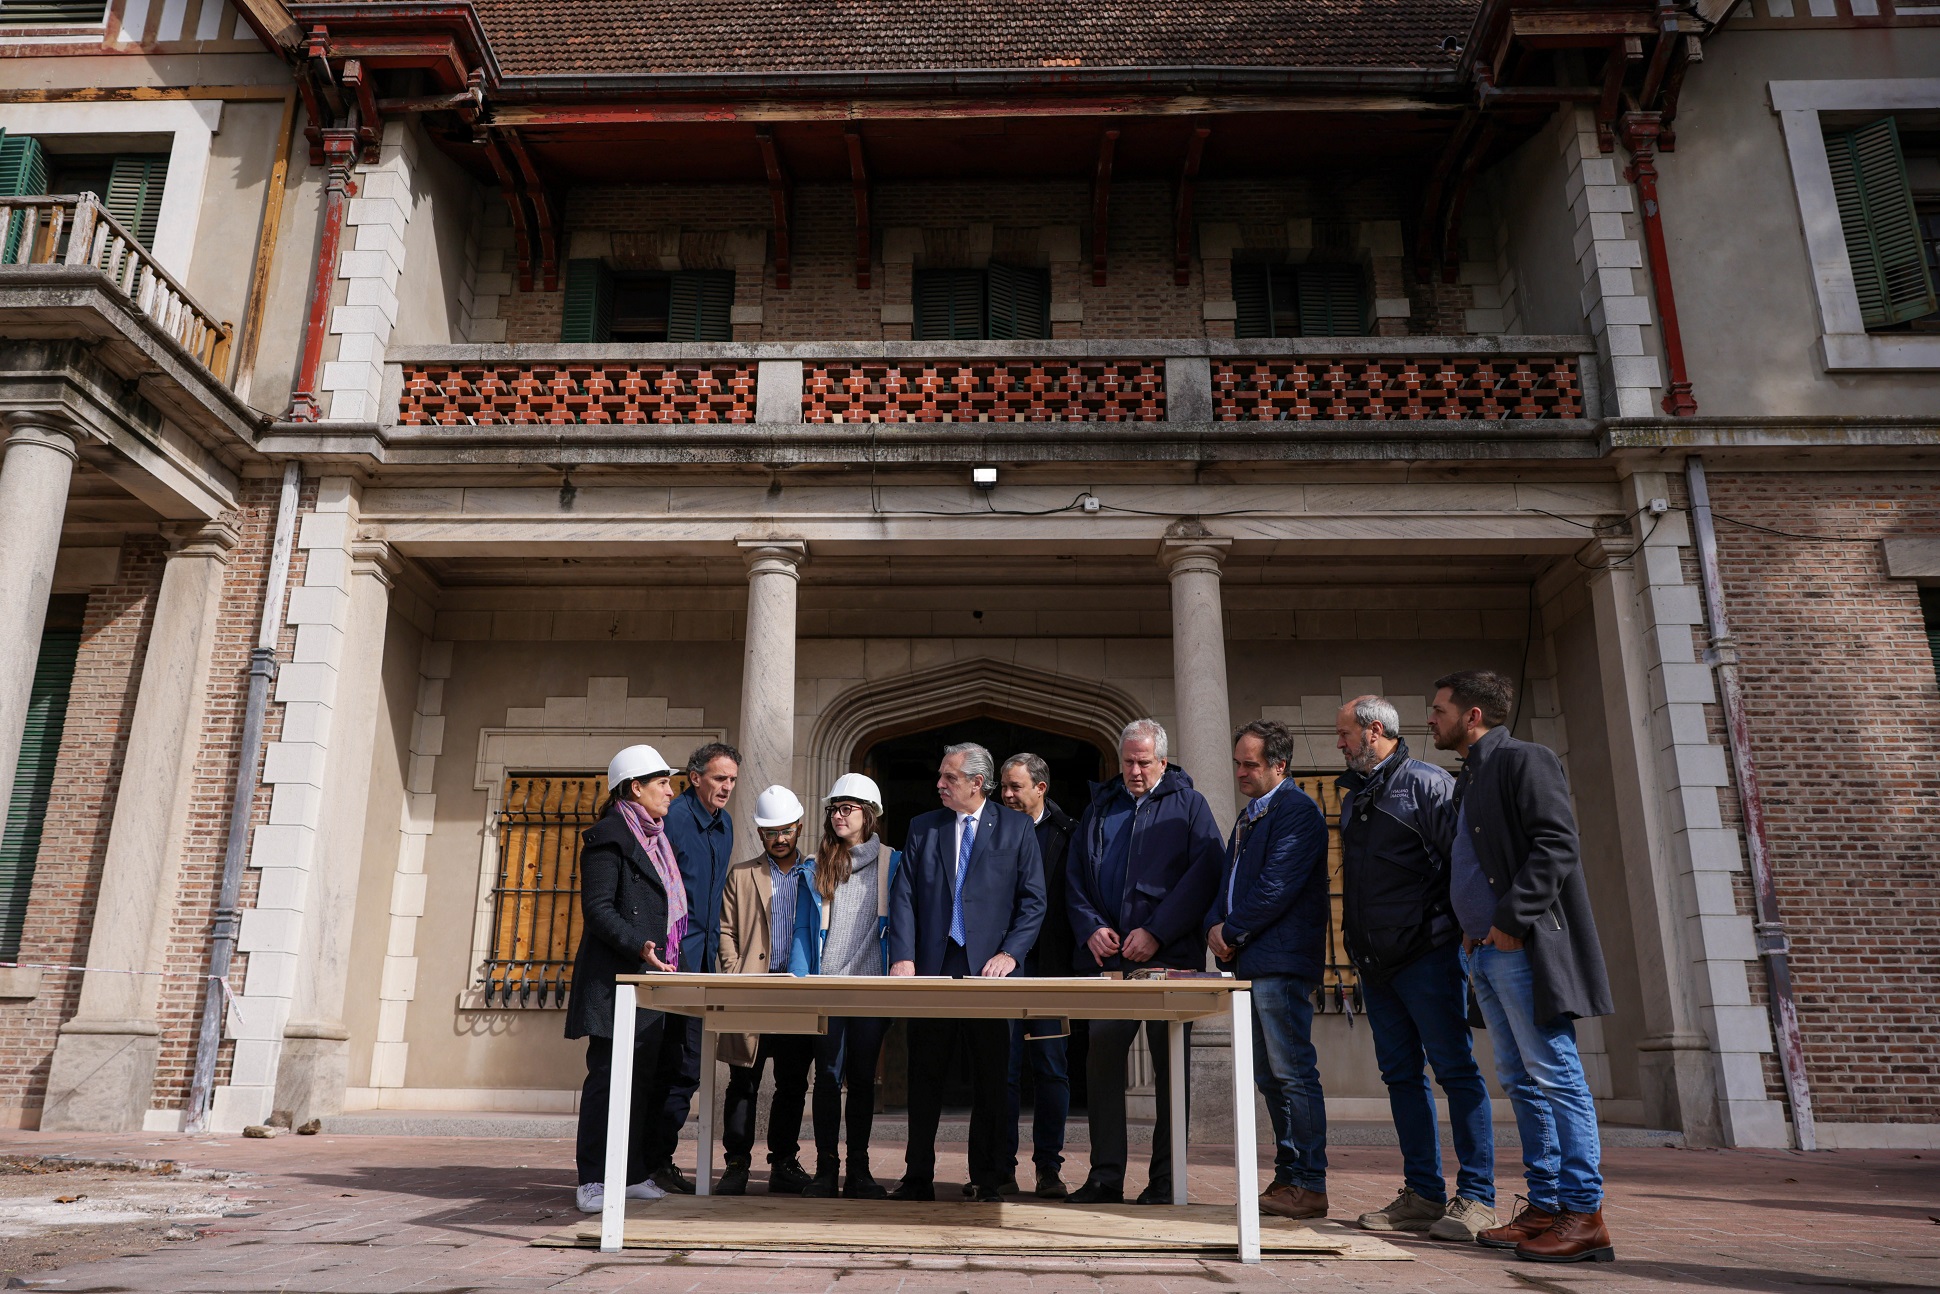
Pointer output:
487, 395
1457, 389
984, 391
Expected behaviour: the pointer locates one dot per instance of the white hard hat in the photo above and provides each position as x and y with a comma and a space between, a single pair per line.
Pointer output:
636, 761
856, 786
777, 807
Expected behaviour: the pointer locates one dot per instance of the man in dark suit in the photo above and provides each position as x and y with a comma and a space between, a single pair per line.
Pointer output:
1515, 880
1026, 783
968, 900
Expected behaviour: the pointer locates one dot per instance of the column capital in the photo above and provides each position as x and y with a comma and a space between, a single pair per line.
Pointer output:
1203, 554
215, 538
773, 556
376, 559
41, 428
1601, 556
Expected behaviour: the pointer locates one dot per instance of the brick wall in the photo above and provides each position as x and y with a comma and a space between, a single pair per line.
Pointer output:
67, 875
1140, 298
1845, 718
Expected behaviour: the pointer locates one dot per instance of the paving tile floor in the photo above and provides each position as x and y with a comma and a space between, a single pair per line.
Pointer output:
345, 1214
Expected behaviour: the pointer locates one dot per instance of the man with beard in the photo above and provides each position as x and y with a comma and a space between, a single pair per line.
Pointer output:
1401, 933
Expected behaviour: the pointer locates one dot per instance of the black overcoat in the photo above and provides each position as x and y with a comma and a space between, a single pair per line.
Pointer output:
624, 905
1520, 821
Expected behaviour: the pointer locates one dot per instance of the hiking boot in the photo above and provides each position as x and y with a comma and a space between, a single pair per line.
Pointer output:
1407, 1212
1529, 1222
1464, 1220
787, 1176
826, 1185
671, 1180
861, 1184
734, 1179
1574, 1238
1284, 1199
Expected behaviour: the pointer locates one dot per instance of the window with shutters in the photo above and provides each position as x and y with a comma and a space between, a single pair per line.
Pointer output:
536, 921
60, 645
1320, 300
1886, 242
1001, 303
1930, 617
1340, 983
683, 306
52, 13
23, 172
130, 186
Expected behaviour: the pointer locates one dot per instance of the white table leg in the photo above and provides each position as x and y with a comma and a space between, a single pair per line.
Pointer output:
1175, 1037
619, 1121
1246, 1150
704, 1152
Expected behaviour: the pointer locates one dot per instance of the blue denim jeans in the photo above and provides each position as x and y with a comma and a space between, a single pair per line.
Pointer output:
1284, 1067
1537, 1065
1034, 1042
1421, 1013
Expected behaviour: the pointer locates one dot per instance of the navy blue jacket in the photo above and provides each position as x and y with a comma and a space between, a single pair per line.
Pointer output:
1169, 877
1003, 895
704, 846
1278, 917
1394, 873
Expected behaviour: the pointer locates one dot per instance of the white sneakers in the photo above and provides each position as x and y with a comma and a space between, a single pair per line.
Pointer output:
591, 1197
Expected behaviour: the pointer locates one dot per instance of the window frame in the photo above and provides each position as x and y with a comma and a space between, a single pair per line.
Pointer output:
1844, 344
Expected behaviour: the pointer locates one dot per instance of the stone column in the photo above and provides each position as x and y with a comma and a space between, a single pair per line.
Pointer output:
314, 1068
1202, 738
767, 734
103, 1069
39, 457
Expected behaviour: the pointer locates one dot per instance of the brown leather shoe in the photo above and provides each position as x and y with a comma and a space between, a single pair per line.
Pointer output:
1286, 1200
1528, 1223
1575, 1238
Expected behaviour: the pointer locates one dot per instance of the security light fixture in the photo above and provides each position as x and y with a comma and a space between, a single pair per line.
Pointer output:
984, 478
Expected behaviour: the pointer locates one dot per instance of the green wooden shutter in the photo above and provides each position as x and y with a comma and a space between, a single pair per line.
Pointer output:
134, 194
23, 173
1333, 301
1019, 303
1930, 616
1253, 300
950, 305
52, 13
588, 313
34, 781
700, 306
1882, 228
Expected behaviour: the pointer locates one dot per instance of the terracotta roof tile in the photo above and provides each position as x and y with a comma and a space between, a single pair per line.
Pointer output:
541, 37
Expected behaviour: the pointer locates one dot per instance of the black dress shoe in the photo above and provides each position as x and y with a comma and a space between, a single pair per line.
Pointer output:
671, 1180
1050, 1186
823, 1187
985, 1194
1156, 1193
734, 1181
1009, 1186
969, 1189
908, 1190
1096, 1193
787, 1176
861, 1184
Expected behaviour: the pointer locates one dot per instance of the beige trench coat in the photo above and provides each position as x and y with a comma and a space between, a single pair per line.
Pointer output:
746, 901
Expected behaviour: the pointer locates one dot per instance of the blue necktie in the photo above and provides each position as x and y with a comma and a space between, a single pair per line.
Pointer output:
963, 867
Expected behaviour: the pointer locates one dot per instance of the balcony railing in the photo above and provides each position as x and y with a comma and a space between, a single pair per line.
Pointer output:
1426, 380
75, 230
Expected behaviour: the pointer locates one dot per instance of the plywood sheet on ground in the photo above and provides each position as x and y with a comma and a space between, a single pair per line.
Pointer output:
758, 1222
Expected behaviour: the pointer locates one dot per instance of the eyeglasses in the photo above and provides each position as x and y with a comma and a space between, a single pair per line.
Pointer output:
778, 833
844, 807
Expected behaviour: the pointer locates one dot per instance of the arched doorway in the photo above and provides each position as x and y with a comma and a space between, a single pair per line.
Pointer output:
905, 766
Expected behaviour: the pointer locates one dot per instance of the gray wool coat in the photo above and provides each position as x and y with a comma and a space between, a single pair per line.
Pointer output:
1524, 833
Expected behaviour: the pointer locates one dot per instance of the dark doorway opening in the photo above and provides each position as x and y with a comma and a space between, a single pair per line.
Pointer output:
905, 769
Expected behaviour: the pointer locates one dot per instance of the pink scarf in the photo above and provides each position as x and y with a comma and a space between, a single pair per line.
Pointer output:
651, 832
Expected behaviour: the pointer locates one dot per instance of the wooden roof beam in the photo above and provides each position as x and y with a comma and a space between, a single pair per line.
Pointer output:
778, 193
1101, 205
1624, 53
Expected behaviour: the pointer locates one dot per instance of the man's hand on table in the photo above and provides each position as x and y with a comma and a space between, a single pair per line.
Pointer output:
902, 968
999, 966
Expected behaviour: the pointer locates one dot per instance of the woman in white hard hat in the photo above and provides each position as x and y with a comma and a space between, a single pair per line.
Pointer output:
841, 928
635, 911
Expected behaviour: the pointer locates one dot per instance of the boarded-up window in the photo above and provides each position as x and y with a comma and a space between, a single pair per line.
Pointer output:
536, 922
1340, 983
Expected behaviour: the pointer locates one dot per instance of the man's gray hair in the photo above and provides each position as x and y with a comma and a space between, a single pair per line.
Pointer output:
1145, 730
977, 763
1370, 710
1034, 767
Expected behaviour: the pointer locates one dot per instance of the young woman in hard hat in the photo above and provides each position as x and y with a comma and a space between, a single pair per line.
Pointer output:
842, 928
635, 911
